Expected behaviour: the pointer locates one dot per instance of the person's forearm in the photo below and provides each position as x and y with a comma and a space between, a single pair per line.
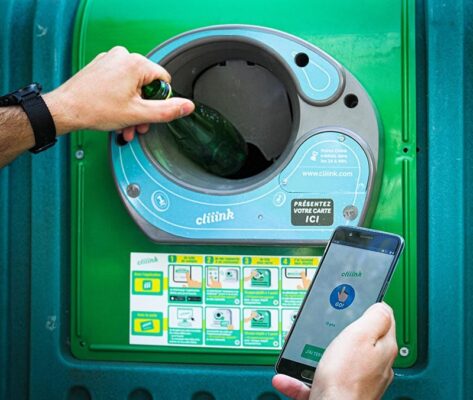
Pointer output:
16, 134
65, 114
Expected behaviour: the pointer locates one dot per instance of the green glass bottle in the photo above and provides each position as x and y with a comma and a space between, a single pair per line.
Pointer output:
205, 136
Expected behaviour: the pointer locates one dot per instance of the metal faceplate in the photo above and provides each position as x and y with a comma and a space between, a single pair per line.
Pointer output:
325, 177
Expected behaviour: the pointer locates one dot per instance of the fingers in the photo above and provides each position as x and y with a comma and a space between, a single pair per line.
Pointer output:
142, 128
118, 50
150, 70
291, 387
100, 55
129, 133
164, 110
389, 342
377, 321
147, 68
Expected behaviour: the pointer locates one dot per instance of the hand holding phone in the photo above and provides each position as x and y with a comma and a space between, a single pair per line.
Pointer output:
353, 274
356, 365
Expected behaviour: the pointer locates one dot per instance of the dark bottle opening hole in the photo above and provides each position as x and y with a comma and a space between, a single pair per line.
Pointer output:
351, 100
256, 162
301, 59
120, 140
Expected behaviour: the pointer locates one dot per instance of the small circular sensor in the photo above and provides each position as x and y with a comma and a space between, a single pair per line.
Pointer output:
301, 59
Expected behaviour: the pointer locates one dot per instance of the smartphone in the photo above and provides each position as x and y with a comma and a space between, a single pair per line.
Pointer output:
353, 274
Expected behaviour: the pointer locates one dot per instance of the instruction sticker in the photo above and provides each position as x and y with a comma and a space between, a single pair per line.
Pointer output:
212, 300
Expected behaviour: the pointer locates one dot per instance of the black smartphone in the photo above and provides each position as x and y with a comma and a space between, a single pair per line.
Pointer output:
353, 274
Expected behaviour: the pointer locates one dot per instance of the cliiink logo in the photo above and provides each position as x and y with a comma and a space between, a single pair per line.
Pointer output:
342, 296
214, 217
147, 260
352, 274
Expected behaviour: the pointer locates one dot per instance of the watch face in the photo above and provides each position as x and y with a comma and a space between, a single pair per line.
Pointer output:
32, 88
18, 96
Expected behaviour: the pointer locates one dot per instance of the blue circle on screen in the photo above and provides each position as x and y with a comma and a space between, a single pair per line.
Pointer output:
342, 296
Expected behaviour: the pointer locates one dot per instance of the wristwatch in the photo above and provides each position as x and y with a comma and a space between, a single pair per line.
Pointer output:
41, 120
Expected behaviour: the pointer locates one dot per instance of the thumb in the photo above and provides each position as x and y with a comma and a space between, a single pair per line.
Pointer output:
291, 387
153, 111
376, 321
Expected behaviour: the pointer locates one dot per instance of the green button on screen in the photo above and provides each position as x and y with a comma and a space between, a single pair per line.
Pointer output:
312, 353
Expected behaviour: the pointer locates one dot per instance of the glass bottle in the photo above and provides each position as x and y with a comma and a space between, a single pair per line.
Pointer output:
205, 136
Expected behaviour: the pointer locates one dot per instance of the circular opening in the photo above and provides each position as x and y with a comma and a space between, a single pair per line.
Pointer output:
203, 396
301, 59
252, 90
351, 100
140, 394
120, 140
268, 396
78, 393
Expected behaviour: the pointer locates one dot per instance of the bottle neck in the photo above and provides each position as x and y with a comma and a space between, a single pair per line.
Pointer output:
157, 90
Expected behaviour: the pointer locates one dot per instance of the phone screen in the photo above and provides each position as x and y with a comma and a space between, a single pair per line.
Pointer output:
352, 276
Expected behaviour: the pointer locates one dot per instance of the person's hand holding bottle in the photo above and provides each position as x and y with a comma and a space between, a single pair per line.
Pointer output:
106, 95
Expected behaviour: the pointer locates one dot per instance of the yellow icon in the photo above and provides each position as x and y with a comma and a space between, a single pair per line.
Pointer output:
146, 325
147, 285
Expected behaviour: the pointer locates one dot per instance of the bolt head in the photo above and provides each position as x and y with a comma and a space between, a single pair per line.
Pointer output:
133, 190
79, 154
404, 351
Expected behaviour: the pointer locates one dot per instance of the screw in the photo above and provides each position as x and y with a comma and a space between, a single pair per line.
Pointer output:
133, 190
404, 351
51, 323
284, 182
260, 217
79, 154
350, 212
341, 138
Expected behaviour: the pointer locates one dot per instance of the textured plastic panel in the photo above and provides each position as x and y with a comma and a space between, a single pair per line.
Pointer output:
35, 359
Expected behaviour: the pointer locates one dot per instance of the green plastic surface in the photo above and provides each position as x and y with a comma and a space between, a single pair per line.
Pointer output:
374, 40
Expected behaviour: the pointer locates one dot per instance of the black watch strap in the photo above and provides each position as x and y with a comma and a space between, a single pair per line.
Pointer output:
8, 100
41, 121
